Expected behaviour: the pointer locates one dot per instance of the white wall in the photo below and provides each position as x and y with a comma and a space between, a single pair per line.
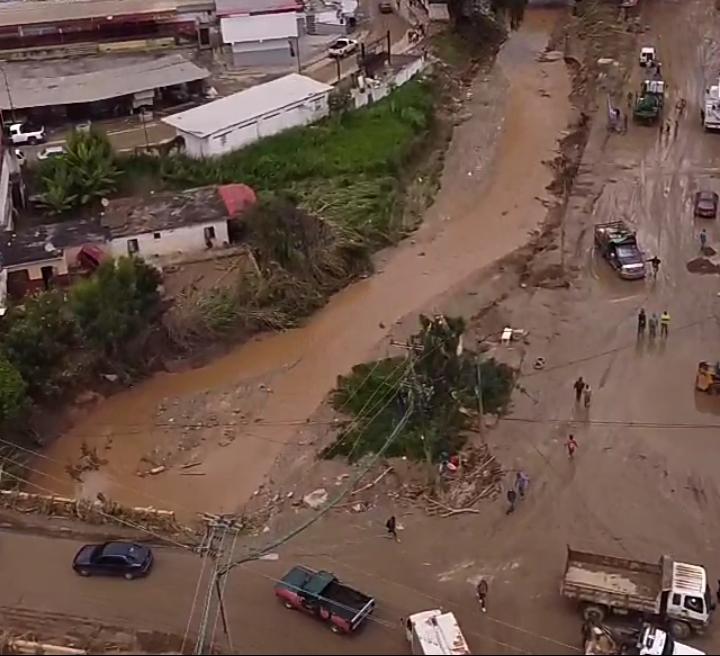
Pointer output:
263, 27
308, 111
34, 269
186, 239
377, 89
6, 204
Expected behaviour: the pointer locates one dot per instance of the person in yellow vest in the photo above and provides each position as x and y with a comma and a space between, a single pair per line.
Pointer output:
664, 323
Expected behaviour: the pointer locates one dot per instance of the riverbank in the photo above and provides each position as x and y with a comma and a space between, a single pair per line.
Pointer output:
237, 414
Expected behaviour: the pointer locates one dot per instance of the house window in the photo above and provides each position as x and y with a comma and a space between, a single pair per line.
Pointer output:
156, 235
209, 234
132, 246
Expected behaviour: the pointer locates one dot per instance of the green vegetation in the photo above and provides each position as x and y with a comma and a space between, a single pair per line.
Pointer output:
435, 384
52, 339
298, 260
345, 169
114, 304
84, 174
12, 392
39, 335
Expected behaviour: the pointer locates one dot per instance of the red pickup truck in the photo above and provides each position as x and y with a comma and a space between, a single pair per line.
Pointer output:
322, 595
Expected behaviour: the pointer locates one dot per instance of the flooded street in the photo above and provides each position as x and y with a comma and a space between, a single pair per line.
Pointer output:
481, 213
642, 483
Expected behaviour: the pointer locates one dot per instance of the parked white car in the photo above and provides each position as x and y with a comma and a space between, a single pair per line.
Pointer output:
26, 133
50, 152
342, 48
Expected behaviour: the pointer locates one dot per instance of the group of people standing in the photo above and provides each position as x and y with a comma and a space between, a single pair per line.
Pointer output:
652, 324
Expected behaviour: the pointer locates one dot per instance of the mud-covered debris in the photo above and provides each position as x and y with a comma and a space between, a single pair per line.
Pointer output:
359, 507
550, 56
316, 499
157, 470
702, 265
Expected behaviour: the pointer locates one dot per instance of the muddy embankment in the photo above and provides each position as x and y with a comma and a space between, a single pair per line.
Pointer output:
234, 416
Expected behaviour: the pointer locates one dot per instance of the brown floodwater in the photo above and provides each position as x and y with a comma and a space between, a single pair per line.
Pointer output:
492, 187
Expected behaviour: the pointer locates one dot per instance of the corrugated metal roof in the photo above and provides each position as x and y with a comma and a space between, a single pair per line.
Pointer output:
100, 85
32, 12
230, 7
245, 106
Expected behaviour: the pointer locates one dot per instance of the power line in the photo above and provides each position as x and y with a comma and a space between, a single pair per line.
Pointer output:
114, 518
379, 621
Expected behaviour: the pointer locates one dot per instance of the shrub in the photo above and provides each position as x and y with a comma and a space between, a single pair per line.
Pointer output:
13, 398
39, 335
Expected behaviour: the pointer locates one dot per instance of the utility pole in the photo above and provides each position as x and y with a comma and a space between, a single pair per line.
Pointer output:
9, 93
389, 46
478, 396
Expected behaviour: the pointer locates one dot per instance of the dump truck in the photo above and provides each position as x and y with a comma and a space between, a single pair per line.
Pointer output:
617, 243
435, 632
650, 101
642, 639
321, 594
675, 595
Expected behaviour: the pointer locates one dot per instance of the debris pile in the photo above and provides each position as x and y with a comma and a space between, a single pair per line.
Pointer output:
479, 477
100, 511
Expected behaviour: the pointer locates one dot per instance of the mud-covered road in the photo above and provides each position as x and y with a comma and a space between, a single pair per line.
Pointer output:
644, 480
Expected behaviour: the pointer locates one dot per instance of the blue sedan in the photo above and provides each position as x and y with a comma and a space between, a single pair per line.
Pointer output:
114, 559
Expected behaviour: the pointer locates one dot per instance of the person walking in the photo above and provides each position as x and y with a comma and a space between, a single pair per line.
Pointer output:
482, 591
571, 445
703, 239
653, 325
391, 526
642, 320
579, 386
522, 480
512, 498
664, 323
655, 263
587, 395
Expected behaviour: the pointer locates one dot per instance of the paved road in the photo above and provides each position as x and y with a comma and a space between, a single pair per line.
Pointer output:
644, 480
130, 133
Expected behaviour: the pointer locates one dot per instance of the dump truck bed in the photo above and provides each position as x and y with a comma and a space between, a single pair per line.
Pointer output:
613, 582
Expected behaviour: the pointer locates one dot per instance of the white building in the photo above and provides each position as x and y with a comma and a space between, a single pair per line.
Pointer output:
260, 32
168, 225
247, 116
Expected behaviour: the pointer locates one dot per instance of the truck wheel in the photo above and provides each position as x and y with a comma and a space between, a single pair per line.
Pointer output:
32, 141
593, 614
679, 630
335, 628
288, 605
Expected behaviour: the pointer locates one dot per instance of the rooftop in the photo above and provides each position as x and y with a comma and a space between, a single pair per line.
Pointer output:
237, 7
166, 210
46, 242
247, 105
95, 85
32, 12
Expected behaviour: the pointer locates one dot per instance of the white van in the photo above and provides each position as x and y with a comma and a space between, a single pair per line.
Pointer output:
435, 632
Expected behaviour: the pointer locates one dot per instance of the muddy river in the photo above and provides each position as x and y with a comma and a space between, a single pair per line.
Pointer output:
492, 194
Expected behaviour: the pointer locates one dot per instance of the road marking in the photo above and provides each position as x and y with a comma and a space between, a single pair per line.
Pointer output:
624, 298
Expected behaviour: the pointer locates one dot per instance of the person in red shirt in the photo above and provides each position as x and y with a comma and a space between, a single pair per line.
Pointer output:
571, 445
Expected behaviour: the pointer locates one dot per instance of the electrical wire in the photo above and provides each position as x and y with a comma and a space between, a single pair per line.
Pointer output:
381, 622
113, 518
196, 594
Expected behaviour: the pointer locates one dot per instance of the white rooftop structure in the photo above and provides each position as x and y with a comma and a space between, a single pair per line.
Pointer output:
246, 106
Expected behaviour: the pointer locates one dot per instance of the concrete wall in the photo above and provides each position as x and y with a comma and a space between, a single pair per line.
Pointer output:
6, 203
187, 239
302, 113
377, 89
272, 52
